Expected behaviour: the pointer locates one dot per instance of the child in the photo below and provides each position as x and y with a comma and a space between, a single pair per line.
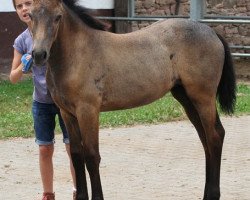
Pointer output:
44, 110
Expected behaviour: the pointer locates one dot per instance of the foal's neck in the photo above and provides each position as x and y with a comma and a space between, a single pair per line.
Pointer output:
73, 31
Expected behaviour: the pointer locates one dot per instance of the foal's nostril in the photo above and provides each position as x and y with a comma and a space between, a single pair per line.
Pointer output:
39, 56
44, 55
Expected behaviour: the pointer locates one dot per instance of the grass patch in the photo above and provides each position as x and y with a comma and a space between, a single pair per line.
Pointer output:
15, 106
16, 117
243, 100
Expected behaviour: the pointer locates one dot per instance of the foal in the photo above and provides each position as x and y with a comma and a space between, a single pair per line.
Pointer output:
91, 70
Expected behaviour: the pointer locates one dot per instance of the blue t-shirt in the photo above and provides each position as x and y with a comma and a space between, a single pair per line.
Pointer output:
23, 44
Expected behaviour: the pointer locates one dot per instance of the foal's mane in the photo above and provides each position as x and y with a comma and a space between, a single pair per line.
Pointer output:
82, 13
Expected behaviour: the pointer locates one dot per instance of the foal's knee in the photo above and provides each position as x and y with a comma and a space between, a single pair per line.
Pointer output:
221, 132
219, 128
217, 138
92, 159
215, 141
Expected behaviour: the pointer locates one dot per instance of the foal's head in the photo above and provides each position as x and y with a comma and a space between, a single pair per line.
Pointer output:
45, 16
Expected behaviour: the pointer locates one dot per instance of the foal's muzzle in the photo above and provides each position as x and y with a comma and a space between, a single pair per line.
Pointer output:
39, 57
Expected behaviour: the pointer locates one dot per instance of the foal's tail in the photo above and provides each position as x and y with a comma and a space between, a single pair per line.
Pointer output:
226, 92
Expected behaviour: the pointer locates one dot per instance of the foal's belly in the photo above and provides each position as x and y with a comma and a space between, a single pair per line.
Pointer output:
133, 94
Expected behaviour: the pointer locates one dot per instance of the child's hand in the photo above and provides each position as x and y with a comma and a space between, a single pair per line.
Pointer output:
27, 63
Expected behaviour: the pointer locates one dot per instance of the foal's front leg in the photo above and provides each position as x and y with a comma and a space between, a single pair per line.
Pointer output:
88, 117
76, 150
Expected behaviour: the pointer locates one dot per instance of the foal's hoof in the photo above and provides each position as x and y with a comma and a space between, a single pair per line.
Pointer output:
80, 198
212, 197
98, 198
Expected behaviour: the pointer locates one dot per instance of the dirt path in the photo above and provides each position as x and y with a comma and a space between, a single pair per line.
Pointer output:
163, 162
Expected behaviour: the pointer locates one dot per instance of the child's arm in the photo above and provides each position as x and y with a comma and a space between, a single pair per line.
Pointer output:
16, 70
20, 66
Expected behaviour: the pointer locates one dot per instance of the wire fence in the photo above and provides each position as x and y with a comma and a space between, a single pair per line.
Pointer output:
197, 10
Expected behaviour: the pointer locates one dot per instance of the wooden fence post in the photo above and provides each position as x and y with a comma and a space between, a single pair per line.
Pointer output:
121, 10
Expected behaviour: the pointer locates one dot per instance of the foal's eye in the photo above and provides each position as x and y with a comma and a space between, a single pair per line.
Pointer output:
58, 17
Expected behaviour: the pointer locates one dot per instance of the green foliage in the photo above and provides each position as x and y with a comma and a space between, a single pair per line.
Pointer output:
16, 117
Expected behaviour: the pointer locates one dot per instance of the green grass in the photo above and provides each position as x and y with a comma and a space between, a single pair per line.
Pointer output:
243, 100
16, 118
15, 109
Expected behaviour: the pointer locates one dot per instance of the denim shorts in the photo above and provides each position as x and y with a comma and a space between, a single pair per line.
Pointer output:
44, 116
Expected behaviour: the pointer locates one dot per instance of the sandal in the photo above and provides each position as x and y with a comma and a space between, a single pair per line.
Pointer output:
74, 195
48, 196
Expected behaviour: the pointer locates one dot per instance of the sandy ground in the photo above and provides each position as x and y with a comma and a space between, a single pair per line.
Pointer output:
163, 162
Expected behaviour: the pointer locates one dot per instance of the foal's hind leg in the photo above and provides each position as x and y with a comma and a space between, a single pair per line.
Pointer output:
212, 167
214, 132
180, 95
